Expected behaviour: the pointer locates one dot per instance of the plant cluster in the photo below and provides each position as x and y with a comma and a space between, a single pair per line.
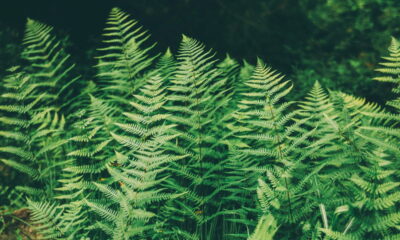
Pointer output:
185, 146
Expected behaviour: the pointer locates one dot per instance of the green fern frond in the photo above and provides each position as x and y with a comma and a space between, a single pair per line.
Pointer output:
124, 56
265, 229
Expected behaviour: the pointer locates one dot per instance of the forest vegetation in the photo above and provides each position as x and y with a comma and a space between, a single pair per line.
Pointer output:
183, 145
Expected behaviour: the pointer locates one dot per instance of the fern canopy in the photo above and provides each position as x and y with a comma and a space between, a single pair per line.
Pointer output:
183, 145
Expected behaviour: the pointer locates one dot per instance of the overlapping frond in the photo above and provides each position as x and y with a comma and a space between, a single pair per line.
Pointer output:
124, 56
390, 70
189, 147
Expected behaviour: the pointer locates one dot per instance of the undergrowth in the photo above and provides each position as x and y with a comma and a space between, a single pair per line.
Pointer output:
186, 146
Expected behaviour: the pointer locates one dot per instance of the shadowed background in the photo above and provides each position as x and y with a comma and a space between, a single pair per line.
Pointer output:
336, 42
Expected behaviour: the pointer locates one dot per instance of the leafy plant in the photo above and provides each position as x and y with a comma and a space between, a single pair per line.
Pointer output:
186, 146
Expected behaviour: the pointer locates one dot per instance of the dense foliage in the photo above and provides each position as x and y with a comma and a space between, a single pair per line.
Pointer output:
186, 146
337, 42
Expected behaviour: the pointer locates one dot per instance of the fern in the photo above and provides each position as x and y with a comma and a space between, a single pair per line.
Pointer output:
390, 70
265, 229
198, 95
34, 107
54, 222
267, 143
123, 57
139, 167
185, 146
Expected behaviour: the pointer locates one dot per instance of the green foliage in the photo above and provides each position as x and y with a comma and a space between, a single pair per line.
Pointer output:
34, 104
265, 229
187, 146
348, 37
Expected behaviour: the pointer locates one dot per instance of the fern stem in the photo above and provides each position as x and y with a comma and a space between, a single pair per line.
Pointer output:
321, 206
278, 138
348, 226
203, 227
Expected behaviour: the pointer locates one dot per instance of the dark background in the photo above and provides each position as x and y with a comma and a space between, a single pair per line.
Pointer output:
336, 42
